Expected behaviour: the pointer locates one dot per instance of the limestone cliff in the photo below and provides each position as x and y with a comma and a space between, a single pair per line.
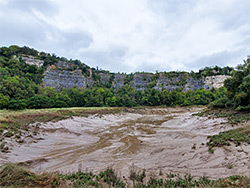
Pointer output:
30, 60
67, 75
59, 79
215, 81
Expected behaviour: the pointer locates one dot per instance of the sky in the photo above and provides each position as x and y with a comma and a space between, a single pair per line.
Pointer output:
132, 35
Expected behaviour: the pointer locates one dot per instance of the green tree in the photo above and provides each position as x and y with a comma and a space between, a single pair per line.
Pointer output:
3, 101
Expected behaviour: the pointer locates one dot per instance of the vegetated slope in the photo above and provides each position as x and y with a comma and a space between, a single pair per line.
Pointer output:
238, 89
32, 79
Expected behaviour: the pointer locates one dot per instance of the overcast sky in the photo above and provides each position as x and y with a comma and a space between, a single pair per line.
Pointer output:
132, 35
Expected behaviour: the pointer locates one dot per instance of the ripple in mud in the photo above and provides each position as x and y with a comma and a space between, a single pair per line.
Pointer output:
166, 138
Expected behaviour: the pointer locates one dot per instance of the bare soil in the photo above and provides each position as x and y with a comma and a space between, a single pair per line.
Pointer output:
160, 140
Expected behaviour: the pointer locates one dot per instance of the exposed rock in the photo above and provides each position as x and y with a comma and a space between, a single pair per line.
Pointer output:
141, 80
57, 77
171, 81
64, 79
104, 78
193, 84
64, 65
215, 81
90, 82
118, 81
31, 60
68, 75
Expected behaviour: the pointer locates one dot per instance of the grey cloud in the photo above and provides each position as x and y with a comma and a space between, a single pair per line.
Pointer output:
221, 59
19, 24
44, 6
110, 59
151, 67
65, 43
232, 17
20, 31
26, 29
169, 6
76, 39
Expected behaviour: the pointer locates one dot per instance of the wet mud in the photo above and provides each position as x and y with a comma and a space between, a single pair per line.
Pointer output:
158, 139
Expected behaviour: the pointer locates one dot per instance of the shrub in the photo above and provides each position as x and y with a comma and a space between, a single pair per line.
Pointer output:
17, 105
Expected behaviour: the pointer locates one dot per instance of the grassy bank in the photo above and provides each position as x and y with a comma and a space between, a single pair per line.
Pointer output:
12, 175
235, 118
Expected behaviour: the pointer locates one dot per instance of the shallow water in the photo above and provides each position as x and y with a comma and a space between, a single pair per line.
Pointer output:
163, 139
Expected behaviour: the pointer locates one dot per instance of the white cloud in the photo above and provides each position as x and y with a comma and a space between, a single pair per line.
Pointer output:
133, 35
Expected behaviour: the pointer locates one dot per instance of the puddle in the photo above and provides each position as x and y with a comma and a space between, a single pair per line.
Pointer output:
169, 139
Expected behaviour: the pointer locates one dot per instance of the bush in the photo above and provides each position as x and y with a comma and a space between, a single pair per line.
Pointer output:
219, 103
39, 102
17, 105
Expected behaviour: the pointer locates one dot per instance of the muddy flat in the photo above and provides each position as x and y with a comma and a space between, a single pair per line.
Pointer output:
157, 139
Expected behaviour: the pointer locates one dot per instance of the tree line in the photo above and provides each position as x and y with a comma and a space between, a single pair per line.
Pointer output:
99, 97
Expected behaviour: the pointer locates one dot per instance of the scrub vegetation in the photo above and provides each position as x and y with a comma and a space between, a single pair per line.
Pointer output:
13, 175
235, 136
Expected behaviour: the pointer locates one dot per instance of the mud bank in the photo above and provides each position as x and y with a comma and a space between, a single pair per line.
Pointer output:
160, 140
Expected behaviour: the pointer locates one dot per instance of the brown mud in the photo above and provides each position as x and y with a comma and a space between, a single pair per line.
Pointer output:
160, 140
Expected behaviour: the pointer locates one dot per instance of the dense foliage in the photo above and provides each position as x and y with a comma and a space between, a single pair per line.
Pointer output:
238, 89
21, 86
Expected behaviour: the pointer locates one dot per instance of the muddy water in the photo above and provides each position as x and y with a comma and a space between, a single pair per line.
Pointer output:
163, 139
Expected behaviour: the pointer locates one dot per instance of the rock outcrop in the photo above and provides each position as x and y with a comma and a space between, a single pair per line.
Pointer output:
64, 79
59, 79
141, 81
118, 81
67, 75
31, 60
215, 81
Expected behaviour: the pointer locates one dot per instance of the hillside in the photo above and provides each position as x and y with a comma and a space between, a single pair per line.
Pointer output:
27, 73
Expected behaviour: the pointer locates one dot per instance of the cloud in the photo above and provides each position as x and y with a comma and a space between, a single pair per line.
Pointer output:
44, 6
109, 59
23, 25
132, 35
222, 59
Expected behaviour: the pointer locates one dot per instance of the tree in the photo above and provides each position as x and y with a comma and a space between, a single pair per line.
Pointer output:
238, 92
17, 104
38, 102
3, 101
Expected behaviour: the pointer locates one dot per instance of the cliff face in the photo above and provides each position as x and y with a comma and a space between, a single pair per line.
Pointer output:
64, 79
65, 75
118, 81
215, 81
31, 60
70, 79
141, 81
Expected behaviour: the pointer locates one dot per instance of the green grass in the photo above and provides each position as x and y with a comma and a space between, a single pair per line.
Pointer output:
236, 136
233, 117
12, 175
105, 178
189, 181
225, 138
